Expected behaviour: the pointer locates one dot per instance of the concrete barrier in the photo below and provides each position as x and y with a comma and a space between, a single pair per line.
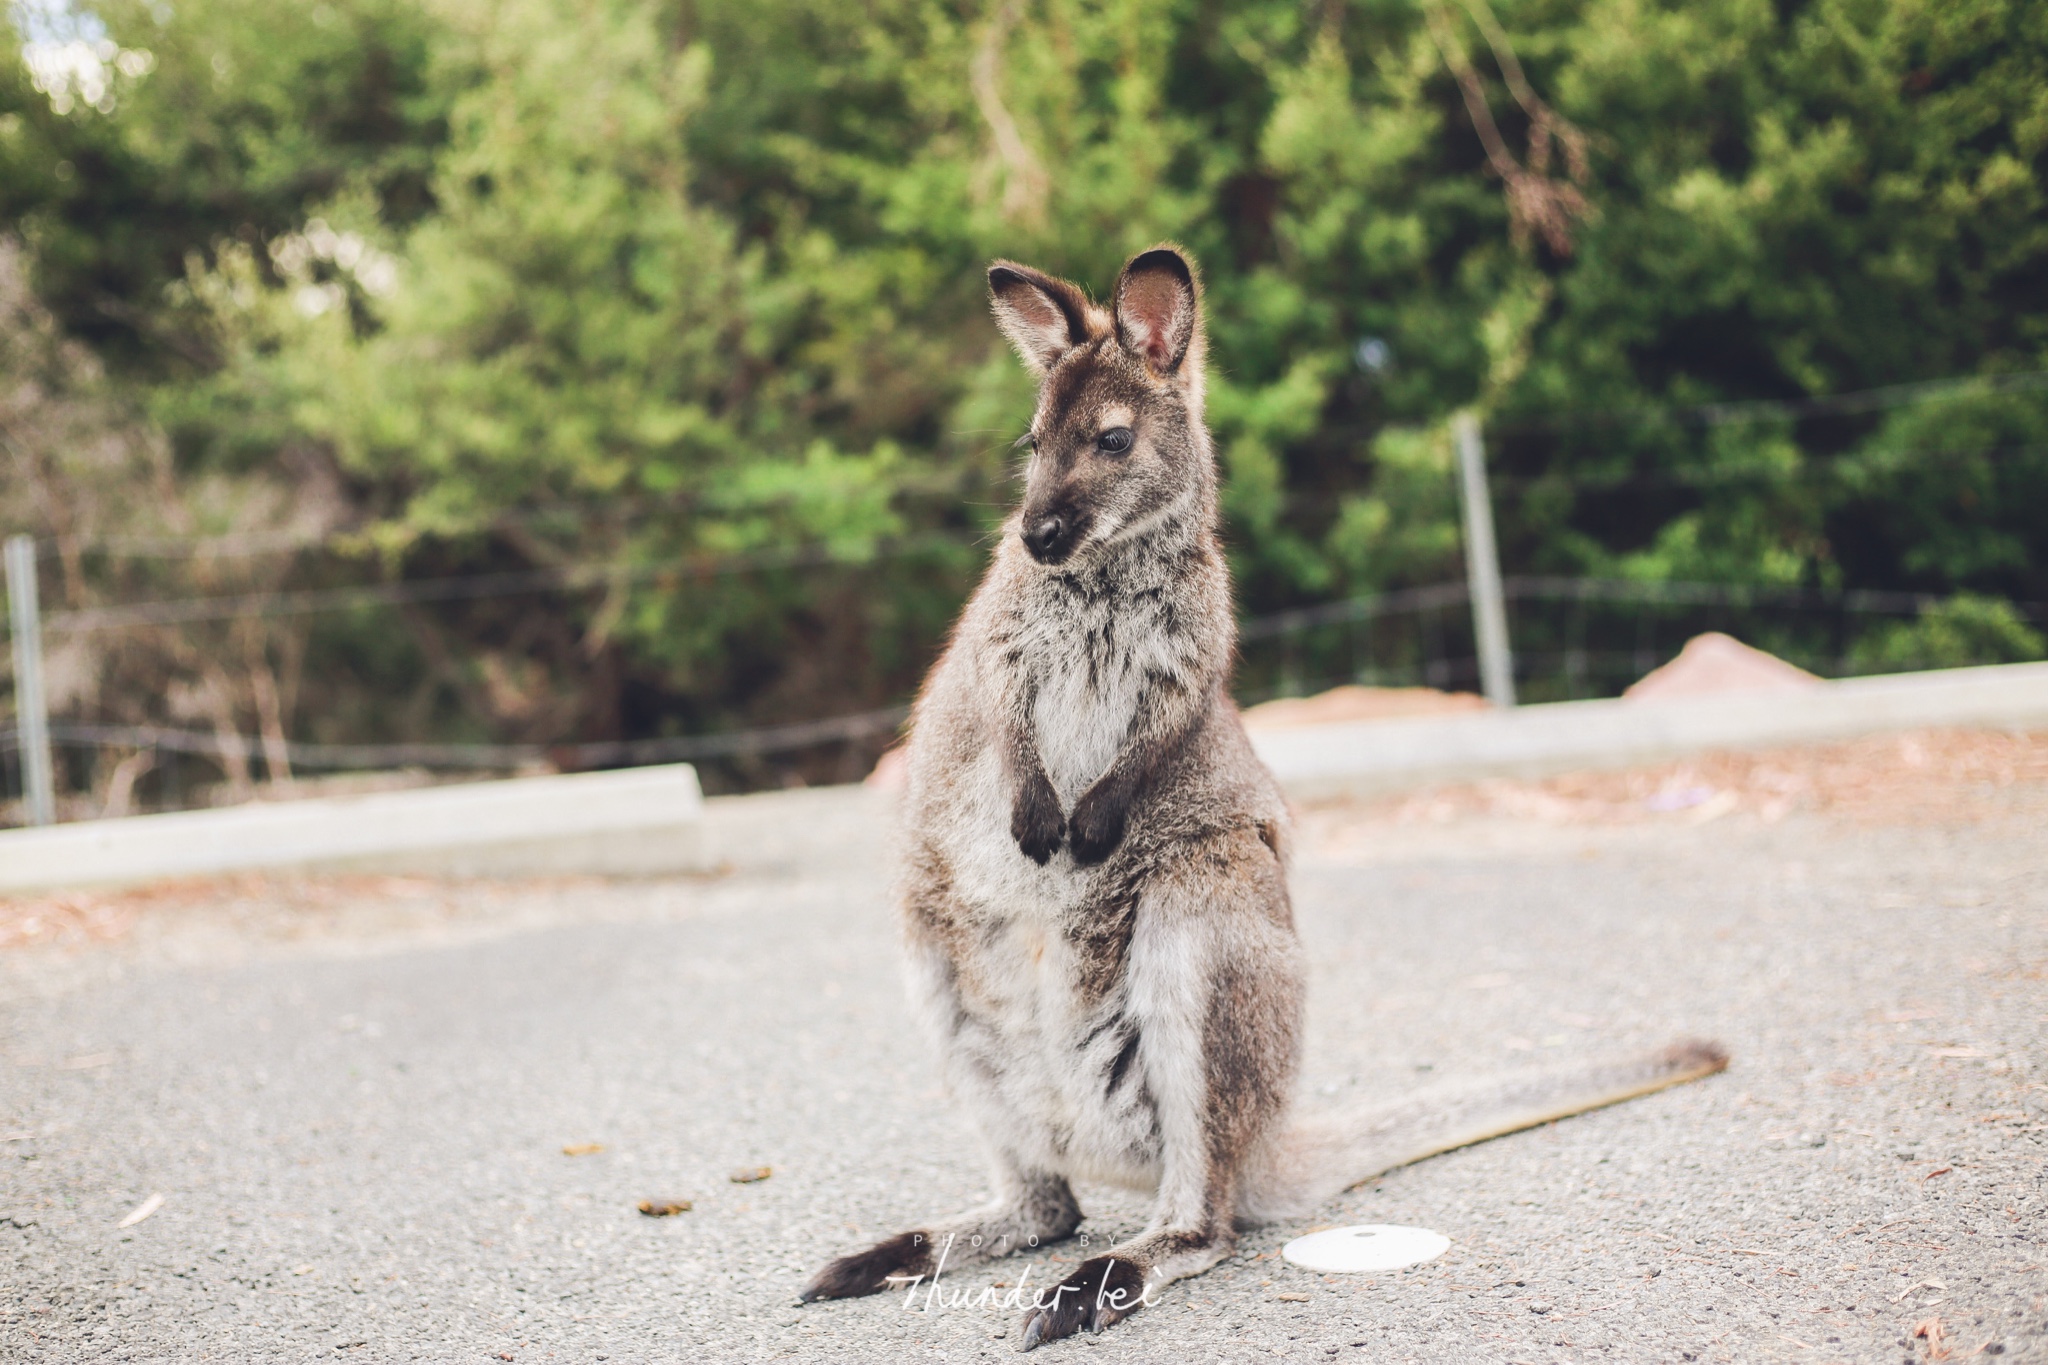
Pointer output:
636, 821
1370, 758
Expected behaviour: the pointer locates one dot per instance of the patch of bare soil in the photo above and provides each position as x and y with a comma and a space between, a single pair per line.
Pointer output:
270, 905
1920, 778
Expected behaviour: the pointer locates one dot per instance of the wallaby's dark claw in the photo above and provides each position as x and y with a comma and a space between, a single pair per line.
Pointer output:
1098, 823
1035, 819
1101, 1292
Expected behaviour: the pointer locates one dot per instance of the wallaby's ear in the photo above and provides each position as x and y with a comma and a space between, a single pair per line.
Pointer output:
1043, 317
1156, 308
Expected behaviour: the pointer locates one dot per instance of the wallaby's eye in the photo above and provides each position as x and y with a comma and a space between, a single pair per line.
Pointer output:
1115, 441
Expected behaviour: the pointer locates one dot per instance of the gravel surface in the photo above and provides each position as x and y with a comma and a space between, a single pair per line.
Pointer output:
355, 1096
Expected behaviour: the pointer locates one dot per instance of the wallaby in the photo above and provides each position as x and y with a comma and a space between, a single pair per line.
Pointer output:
1095, 896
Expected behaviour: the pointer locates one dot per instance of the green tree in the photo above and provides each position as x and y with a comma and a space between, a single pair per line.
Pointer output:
693, 291
166, 131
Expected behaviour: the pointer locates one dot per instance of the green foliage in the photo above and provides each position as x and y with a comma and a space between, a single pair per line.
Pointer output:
694, 291
1957, 633
239, 116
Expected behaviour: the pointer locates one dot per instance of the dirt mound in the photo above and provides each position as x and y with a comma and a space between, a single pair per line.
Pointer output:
1359, 703
1715, 663
1923, 777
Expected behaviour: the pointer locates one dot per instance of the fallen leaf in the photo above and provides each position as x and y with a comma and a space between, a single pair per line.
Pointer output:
1932, 1331
1938, 1170
664, 1208
1923, 1284
582, 1148
1292, 1298
142, 1211
747, 1175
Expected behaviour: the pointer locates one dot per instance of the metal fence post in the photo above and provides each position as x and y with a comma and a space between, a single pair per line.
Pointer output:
32, 721
1482, 566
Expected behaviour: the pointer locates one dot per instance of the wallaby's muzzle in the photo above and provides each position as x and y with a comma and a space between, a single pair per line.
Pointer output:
1051, 536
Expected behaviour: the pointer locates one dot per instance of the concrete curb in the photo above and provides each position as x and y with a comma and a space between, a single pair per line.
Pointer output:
1370, 758
635, 821
645, 821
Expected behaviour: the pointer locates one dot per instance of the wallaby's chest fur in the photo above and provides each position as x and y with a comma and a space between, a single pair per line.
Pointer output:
1088, 644
1029, 966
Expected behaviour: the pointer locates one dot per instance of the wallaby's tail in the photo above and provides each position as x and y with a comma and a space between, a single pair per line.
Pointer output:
1319, 1156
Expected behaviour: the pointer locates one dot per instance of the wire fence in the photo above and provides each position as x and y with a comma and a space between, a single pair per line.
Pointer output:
1573, 637
1854, 403
463, 587
771, 739
165, 751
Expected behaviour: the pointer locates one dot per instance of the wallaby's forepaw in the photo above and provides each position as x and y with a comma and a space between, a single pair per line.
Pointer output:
1102, 1291
1098, 823
1035, 820
869, 1272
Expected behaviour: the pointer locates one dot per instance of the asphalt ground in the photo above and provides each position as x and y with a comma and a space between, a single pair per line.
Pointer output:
354, 1097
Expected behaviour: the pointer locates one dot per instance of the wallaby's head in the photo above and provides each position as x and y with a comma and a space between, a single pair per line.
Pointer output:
1117, 444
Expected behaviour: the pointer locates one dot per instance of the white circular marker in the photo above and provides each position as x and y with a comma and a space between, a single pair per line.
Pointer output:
1376, 1246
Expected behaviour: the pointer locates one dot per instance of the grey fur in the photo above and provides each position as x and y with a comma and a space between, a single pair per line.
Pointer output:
1095, 894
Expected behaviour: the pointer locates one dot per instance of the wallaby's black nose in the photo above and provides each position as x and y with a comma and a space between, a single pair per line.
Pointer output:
1046, 537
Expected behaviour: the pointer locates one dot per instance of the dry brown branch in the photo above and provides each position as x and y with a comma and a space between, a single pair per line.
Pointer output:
1544, 122
1537, 202
1934, 1332
1025, 182
263, 691
120, 799
216, 699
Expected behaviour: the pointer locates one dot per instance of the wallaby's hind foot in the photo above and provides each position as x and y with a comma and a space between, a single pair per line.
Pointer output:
1106, 1289
1033, 1209
870, 1272
1102, 1291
